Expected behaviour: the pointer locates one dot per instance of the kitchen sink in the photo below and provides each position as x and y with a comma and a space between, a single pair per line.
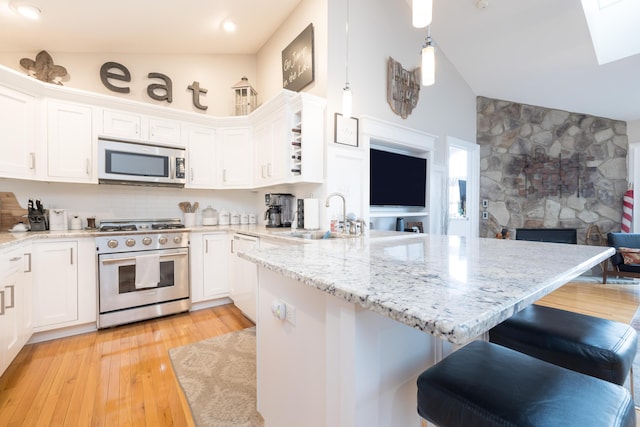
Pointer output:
315, 235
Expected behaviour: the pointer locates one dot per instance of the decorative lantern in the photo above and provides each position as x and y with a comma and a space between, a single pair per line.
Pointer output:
246, 97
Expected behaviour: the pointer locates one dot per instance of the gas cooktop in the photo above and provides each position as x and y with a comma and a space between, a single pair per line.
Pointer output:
140, 224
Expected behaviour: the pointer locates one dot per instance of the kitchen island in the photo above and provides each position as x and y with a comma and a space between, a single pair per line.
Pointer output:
367, 315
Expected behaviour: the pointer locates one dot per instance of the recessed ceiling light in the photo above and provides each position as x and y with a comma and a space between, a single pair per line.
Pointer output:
26, 10
229, 26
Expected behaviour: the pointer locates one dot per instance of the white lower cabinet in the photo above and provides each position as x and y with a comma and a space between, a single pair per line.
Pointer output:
244, 276
64, 283
209, 266
16, 324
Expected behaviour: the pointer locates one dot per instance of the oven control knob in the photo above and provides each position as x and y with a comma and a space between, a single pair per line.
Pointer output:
130, 242
112, 243
177, 239
162, 240
146, 241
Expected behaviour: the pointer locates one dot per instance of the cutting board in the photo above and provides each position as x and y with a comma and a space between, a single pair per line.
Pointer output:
11, 212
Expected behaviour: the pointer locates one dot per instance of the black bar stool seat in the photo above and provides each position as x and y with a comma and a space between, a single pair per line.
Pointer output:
484, 384
591, 345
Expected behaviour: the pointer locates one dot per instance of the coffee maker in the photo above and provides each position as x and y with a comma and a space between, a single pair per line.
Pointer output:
279, 209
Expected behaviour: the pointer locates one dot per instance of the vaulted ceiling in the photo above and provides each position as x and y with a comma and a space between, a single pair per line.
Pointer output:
537, 52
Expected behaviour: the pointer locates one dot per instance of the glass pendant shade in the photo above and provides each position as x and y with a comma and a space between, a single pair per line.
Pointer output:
422, 12
347, 102
428, 65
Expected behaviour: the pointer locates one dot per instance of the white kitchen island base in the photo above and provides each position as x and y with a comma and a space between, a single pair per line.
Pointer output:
339, 365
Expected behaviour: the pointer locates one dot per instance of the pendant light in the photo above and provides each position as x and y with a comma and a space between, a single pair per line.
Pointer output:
428, 67
421, 13
347, 99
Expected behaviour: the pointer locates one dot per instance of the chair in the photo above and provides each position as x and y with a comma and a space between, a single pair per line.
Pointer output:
625, 263
590, 345
485, 384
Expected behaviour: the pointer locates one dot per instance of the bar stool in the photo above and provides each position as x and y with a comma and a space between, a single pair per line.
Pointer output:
594, 346
485, 384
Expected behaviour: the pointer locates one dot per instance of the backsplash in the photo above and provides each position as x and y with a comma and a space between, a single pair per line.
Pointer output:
124, 201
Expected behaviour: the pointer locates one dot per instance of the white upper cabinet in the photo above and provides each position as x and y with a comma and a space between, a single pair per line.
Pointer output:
70, 142
235, 158
272, 156
140, 127
19, 133
201, 152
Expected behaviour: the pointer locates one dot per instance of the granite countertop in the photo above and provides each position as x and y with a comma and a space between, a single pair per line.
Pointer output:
451, 287
8, 239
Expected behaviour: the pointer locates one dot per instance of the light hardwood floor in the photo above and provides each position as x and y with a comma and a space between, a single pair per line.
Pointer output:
123, 376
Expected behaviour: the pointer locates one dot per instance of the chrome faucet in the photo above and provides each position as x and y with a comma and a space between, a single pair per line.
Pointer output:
344, 209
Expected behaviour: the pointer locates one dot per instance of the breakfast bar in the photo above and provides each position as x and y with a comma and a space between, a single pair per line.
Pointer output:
345, 325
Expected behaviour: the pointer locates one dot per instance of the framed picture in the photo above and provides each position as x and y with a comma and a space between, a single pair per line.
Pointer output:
345, 130
297, 61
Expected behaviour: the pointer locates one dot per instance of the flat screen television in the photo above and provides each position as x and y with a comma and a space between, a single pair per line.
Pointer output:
397, 179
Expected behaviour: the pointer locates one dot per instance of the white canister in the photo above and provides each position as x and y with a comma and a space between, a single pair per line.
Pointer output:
244, 218
235, 218
223, 217
209, 216
76, 223
252, 218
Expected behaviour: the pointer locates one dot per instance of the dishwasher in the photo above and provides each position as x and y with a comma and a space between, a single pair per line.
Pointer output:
244, 276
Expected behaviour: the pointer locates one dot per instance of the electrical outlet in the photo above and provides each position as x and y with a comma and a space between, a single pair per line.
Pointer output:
485, 203
485, 215
291, 313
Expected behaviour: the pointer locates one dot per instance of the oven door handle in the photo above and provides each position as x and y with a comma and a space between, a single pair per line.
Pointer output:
117, 260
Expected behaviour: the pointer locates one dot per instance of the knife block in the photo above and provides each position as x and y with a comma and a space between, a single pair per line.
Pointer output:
38, 221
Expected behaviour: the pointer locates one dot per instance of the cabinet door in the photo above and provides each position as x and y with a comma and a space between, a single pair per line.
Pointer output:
215, 265
55, 280
165, 131
127, 125
18, 133
244, 280
201, 149
235, 158
70, 142
271, 146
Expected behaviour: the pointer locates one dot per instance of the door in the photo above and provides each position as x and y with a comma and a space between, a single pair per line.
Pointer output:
201, 143
18, 133
463, 188
235, 158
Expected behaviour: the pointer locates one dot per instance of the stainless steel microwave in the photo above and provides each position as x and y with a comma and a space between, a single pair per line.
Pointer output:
121, 162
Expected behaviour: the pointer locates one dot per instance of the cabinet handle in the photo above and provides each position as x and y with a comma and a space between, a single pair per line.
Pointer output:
28, 270
232, 246
1, 303
192, 176
224, 175
13, 295
32, 160
269, 170
87, 166
206, 246
264, 175
71, 256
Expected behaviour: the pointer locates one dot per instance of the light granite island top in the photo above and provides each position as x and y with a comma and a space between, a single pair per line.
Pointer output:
351, 350
451, 287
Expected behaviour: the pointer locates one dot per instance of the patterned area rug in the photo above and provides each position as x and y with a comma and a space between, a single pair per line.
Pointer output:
218, 377
635, 324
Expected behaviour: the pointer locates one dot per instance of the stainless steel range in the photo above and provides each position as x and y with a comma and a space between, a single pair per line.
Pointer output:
143, 269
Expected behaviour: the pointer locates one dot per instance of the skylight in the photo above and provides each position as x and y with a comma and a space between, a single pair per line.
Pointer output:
614, 28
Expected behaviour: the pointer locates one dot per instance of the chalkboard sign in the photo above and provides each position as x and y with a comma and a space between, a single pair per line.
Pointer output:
297, 61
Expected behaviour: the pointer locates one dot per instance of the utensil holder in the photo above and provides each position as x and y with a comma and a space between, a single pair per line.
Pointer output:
189, 219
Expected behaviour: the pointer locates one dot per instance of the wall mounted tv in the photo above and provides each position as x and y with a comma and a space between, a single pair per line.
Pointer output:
397, 179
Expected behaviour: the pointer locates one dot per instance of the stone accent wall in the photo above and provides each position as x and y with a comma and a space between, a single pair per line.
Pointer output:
545, 168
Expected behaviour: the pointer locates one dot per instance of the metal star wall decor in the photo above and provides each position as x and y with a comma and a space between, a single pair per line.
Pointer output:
43, 68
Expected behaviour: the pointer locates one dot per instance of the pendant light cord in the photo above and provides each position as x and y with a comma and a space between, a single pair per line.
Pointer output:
346, 77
